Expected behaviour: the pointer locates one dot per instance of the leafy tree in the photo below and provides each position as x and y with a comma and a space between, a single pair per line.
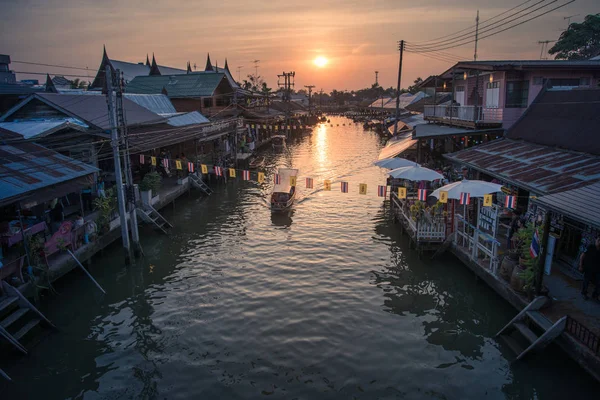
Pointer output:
415, 87
579, 41
79, 84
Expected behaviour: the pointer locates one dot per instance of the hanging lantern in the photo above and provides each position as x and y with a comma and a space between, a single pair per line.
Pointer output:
465, 76
491, 78
444, 85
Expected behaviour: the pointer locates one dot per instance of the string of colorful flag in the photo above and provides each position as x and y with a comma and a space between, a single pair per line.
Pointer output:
278, 127
382, 190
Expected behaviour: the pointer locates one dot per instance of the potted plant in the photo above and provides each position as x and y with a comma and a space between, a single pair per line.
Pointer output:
107, 207
523, 274
151, 183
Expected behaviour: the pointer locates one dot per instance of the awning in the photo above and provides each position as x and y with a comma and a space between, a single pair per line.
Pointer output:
430, 131
397, 146
53, 192
581, 204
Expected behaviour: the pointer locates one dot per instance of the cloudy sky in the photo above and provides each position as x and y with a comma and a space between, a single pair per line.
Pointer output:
356, 36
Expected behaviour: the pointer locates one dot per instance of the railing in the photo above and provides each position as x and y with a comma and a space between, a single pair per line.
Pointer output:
425, 229
493, 114
461, 113
480, 247
583, 335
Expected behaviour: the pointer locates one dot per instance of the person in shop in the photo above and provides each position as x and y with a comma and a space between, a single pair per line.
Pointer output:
515, 224
589, 264
100, 187
57, 216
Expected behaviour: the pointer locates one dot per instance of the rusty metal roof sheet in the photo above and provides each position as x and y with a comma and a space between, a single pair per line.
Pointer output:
581, 204
534, 167
27, 167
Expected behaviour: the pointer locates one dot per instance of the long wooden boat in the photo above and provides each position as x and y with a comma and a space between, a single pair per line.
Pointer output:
284, 193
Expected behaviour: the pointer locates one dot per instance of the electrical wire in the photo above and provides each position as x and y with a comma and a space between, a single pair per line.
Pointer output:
494, 33
485, 28
49, 65
474, 26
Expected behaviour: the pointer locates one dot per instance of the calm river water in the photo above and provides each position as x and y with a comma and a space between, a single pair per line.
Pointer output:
325, 303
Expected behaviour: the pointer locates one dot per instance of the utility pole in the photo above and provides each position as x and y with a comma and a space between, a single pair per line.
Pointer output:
310, 88
256, 67
239, 69
544, 48
476, 35
398, 88
288, 82
135, 236
114, 134
376, 78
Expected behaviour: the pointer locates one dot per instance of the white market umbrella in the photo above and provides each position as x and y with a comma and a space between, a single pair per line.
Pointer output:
474, 188
395, 162
415, 173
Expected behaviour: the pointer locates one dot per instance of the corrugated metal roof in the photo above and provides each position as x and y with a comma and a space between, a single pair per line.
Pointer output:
92, 109
581, 204
191, 118
170, 70
32, 128
538, 168
397, 146
26, 167
157, 103
188, 85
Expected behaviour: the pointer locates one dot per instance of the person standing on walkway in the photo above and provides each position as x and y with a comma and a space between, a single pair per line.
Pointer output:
589, 264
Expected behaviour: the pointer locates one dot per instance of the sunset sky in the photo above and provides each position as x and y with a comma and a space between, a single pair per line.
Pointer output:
357, 37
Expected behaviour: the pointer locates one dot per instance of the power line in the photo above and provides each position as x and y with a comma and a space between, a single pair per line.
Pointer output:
482, 25
46, 73
473, 26
48, 65
494, 33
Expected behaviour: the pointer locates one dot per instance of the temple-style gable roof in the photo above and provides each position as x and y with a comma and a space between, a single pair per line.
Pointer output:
209, 66
154, 68
130, 70
50, 88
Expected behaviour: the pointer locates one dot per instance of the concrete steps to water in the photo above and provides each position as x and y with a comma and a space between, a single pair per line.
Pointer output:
530, 330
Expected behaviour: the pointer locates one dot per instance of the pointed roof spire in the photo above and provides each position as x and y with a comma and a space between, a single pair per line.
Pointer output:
227, 66
189, 68
147, 60
154, 68
216, 66
164, 91
209, 66
50, 87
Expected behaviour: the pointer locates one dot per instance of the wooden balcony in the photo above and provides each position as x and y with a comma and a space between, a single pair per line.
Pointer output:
471, 117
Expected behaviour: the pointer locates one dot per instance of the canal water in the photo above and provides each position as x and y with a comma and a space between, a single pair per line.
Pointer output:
326, 302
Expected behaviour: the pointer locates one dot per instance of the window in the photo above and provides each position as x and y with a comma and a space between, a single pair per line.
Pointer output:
517, 93
585, 81
207, 102
492, 95
460, 88
222, 101
564, 83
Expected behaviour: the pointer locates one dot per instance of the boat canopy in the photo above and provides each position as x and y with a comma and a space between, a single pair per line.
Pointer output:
284, 174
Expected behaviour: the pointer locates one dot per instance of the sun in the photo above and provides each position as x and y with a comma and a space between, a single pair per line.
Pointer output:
320, 61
